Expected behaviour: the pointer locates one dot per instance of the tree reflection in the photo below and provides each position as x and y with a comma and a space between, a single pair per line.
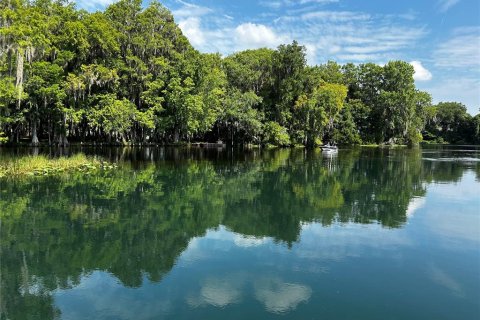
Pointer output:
137, 220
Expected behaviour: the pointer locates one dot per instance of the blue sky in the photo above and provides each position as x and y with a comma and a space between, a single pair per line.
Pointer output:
441, 38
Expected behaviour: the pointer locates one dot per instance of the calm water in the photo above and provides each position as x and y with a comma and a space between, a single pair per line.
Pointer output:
215, 234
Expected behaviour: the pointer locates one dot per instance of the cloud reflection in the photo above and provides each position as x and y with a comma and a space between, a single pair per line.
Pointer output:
279, 296
443, 279
218, 292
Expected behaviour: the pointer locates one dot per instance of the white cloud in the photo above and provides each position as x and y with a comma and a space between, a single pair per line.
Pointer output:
191, 29
290, 3
318, 1
190, 10
335, 16
272, 4
311, 53
445, 5
421, 73
462, 50
351, 36
251, 35
94, 4
347, 36
360, 57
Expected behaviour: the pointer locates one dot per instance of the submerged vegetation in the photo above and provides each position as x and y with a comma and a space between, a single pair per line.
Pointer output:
41, 165
129, 75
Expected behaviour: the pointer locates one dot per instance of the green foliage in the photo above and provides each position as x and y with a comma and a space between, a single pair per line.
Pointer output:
3, 139
315, 114
345, 131
476, 128
113, 116
239, 120
250, 70
275, 134
58, 63
450, 122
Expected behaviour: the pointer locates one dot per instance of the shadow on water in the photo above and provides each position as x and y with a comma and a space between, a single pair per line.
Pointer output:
138, 219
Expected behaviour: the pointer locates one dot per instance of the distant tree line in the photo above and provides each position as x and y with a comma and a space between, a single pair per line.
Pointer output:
129, 75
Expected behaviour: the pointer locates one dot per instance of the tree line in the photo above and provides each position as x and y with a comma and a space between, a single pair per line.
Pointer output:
129, 75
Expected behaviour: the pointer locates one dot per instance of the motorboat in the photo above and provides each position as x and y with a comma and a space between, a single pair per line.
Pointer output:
328, 148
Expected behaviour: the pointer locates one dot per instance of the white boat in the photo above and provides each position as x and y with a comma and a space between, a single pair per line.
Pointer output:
329, 151
329, 148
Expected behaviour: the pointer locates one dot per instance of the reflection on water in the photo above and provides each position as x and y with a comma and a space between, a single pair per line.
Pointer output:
278, 296
214, 233
218, 292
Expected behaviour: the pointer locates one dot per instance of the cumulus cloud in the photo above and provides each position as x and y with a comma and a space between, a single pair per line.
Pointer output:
191, 29
421, 73
251, 35
347, 36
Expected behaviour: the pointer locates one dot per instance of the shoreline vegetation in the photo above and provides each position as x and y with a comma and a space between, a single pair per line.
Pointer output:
127, 75
40, 165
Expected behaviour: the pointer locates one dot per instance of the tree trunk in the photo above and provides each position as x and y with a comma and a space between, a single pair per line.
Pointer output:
35, 141
49, 132
176, 136
63, 141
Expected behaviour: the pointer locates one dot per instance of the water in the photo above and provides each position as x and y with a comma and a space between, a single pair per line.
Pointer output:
216, 234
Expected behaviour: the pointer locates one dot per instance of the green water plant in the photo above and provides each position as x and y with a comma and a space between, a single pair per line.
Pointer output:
40, 165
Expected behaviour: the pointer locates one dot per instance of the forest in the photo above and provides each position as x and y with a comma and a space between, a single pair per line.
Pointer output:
128, 75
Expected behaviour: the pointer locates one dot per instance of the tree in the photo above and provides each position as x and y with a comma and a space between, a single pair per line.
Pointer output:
453, 121
46, 94
239, 121
315, 114
57, 63
345, 130
288, 66
113, 117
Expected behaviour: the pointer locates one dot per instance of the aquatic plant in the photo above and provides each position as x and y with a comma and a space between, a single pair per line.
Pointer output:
40, 165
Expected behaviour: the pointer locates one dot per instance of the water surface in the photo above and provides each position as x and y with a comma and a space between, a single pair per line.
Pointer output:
222, 234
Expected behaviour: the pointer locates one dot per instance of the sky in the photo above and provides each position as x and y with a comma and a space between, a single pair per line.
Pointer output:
440, 38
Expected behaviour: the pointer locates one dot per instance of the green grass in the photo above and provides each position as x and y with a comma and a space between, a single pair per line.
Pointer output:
43, 166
